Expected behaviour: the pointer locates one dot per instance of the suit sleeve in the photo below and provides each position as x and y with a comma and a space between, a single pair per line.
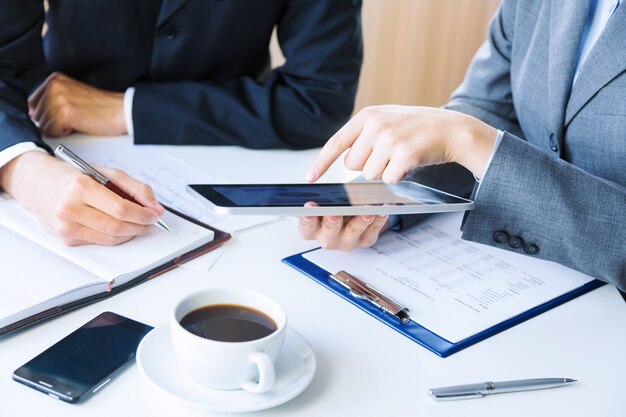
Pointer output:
299, 105
22, 65
530, 202
569, 215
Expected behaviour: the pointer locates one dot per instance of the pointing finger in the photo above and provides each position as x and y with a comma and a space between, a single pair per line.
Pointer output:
336, 145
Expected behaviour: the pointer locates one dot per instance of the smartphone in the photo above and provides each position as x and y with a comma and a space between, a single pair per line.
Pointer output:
339, 199
83, 362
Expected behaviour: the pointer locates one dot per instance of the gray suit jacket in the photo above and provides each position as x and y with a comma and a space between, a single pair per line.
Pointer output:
556, 186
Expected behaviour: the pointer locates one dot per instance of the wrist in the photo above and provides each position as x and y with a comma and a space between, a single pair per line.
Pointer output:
19, 169
475, 146
118, 117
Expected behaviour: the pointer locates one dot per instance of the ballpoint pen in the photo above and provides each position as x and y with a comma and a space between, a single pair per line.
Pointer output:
68, 156
460, 392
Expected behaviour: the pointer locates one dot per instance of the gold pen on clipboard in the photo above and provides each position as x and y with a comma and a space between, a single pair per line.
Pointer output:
361, 290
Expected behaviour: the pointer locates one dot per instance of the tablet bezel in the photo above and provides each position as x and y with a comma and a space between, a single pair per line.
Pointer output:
221, 205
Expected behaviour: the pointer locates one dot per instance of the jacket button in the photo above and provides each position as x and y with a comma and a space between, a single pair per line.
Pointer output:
500, 236
553, 145
168, 32
516, 242
531, 249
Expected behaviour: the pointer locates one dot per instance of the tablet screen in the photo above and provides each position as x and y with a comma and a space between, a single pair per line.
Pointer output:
325, 195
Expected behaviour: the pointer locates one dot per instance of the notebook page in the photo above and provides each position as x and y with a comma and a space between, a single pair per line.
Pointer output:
121, 262
35, 279
452, 287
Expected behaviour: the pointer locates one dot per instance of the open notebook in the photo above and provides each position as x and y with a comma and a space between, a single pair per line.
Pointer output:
42, 277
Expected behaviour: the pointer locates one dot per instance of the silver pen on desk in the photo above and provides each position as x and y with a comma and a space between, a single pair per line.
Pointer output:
461, 392
70, 157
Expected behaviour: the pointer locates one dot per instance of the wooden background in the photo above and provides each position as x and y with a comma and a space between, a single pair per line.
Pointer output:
416, 51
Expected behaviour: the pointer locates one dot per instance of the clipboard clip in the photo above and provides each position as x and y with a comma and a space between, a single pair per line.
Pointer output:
361, 290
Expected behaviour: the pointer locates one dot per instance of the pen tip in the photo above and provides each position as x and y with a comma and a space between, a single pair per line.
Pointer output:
570, 380
163, 226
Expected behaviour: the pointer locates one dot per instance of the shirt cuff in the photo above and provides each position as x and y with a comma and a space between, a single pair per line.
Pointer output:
128, 110
493, 152
12, 152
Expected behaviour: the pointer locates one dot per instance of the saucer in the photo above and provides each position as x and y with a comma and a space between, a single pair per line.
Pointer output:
157, 362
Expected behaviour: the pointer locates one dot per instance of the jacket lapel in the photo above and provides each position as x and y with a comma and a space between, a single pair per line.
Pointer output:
567, 19
606, 60
168, 8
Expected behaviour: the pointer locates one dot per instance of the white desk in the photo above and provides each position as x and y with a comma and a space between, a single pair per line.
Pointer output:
364, 368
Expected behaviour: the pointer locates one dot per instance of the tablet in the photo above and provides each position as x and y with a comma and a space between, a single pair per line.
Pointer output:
347, 199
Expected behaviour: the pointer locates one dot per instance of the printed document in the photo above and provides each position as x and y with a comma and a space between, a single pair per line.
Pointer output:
452, 287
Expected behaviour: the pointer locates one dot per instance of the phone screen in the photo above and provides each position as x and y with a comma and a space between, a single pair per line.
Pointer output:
83, 360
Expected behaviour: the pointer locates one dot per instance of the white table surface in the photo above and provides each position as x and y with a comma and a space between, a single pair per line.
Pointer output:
364, 367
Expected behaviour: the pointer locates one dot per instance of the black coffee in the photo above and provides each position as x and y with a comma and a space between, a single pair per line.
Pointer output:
229, 323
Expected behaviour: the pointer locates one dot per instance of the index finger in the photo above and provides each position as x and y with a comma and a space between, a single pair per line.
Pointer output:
138, 190
336, 145
105, 200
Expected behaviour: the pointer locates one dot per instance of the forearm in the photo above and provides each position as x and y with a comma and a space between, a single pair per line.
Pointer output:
298, 105
242, 113
16, 127
23, 65
571, 216
19, 170
476, 108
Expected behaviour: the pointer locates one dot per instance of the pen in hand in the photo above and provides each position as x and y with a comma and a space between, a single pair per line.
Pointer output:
460, 392
68, 156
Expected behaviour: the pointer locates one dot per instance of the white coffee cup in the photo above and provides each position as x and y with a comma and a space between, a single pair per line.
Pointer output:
222, 365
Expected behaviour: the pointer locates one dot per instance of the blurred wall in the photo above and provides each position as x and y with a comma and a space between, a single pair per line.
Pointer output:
417, 51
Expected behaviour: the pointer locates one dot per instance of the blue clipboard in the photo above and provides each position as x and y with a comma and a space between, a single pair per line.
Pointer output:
415, 331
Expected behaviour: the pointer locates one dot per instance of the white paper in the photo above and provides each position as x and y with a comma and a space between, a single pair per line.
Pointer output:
167, 175
131, 258
205, 262
452, 287
32, 276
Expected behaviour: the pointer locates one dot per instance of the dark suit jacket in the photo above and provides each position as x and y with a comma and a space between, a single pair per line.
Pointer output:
200, 67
